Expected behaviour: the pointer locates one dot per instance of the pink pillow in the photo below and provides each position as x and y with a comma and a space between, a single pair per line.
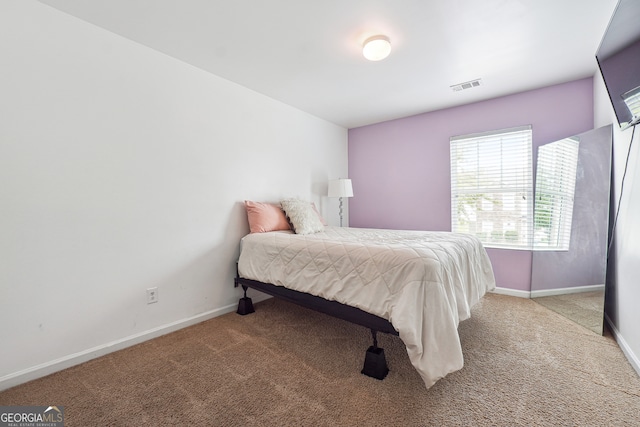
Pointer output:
265, 217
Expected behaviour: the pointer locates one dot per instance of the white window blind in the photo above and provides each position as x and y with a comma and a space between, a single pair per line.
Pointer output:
555, 188
492, 187
632, 100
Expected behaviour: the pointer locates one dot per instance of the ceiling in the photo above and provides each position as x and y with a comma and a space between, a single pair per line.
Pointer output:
308, 53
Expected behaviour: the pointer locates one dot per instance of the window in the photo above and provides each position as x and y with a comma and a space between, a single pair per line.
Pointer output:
492, 187
555, 188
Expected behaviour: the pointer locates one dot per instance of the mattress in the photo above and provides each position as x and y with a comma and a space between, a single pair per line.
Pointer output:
423, 282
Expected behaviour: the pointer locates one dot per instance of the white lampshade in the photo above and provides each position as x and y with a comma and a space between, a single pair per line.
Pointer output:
340, 188
376, 48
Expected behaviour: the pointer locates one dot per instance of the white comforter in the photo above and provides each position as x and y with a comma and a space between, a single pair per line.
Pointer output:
423, 282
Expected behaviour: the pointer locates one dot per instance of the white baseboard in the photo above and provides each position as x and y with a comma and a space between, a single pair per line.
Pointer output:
631, 357
65, 362
257, 296
547, 292
512, 292
563, 291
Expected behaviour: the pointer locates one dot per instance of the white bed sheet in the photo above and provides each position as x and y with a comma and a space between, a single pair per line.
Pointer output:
423, 282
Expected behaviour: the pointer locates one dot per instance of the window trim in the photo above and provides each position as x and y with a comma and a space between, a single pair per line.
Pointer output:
526, 186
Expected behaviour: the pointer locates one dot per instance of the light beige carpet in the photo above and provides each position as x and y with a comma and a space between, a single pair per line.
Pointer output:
284, 365
584, 308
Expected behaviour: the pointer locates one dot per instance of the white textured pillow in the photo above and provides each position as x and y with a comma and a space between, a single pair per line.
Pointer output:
302, 216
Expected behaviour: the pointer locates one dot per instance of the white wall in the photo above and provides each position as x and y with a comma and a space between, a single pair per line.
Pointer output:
623, 286
123, 169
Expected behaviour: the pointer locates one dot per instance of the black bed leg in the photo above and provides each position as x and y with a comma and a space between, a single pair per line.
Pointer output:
245, 305
375, 364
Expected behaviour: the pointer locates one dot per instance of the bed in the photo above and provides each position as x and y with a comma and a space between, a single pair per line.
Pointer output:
416, 284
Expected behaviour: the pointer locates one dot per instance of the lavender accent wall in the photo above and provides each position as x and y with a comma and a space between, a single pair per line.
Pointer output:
400, 168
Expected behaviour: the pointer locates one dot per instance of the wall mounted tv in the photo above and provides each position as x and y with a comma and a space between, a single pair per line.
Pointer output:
619, 60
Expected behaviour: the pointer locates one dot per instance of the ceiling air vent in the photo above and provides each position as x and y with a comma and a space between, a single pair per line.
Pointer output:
466, 85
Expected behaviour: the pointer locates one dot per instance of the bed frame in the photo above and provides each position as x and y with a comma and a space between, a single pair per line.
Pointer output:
375, 364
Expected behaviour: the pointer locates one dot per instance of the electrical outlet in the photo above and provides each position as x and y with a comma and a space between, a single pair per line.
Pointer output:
152, 295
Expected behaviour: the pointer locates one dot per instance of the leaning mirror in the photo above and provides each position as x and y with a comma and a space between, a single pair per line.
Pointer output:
571, 219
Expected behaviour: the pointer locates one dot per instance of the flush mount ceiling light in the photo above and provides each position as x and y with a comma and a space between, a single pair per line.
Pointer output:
376, 48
